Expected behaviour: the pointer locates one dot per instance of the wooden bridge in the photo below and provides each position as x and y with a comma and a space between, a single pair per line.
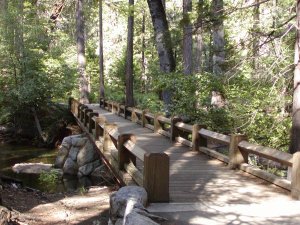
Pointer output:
176, 162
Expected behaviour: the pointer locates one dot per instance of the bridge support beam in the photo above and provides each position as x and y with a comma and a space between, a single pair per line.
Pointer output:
296, 176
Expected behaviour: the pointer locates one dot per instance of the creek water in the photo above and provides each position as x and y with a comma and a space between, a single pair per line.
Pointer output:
12, 154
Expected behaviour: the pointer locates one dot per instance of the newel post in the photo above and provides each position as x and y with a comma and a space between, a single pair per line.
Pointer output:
99, 122
134, 117
157, 124
236, 156
174, 129
156, 176
107, 142
197, 139
295, 186
144, 119
92, 123
86, 116
124, 156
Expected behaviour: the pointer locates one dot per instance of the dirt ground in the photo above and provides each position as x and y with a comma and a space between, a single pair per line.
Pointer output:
85, 207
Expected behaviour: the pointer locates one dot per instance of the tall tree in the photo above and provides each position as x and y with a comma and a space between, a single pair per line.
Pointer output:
163, 43
255, 37
218, 37
198, 39
129, 59
101, 60
83, 79
295, 133
187, 37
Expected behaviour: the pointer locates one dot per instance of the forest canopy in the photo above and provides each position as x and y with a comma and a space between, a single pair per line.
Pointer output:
233, 60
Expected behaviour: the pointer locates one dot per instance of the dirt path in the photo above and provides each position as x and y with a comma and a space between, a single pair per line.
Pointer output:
88, 207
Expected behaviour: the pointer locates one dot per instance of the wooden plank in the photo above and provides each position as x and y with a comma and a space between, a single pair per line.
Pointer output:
221, 138
184, 141
165, 133
149, 115
134, 149
185, 127
214, 154
149, 126
134, 173
164, 119
266, 176
268, 153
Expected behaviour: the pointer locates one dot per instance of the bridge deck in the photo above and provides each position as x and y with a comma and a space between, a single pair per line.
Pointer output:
195, 176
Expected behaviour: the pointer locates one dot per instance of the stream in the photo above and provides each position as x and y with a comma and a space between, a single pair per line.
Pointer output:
12, 154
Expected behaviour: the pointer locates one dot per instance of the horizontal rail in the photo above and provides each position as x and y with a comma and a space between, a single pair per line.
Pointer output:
164, 119
149, 115
225, 139
268, 153
184, 127
134, 149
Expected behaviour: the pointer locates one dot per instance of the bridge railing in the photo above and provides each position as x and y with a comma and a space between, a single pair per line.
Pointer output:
197, 137
122, 151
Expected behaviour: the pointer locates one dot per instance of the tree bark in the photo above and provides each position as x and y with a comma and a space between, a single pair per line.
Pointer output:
83, 80
187, 38
255, 37
101, 59
295, 132
218, 37
129, 58
199, 40
163, 43
144, 77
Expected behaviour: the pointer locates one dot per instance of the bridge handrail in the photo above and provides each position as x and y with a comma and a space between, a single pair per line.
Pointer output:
239, 148
127, 149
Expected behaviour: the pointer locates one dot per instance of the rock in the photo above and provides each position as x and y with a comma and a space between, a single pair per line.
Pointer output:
31, 168
123, 201
70, 167
87, 169
67, 142
61, 156
98, 172
79, 140
73, 153
134, 218
86, 154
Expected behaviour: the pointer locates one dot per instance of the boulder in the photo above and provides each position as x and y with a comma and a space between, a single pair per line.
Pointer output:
123, 201
87, 169
134, 218
70, 167
61, 156
67, 142
86, 154
73, 153
79, 140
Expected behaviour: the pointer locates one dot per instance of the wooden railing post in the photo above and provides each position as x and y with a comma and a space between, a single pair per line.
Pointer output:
157, 124
100, 121
86, 116
144, 119
196, 138
107, 142
125, 156
236, 157
174, 130
82, 108
295, 186
134, 117
156, 176
118, 109
91, 121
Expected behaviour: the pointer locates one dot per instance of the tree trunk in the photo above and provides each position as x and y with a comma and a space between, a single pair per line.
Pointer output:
129, 58
163, 43
101, 60
199, 40
295, 133
255, 37
218, 37
83, 80
187, 37
144, 77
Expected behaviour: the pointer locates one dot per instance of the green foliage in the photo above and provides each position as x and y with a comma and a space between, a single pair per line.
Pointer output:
49, 179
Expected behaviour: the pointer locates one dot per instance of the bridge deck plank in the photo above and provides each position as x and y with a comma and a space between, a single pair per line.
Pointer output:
195, 176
